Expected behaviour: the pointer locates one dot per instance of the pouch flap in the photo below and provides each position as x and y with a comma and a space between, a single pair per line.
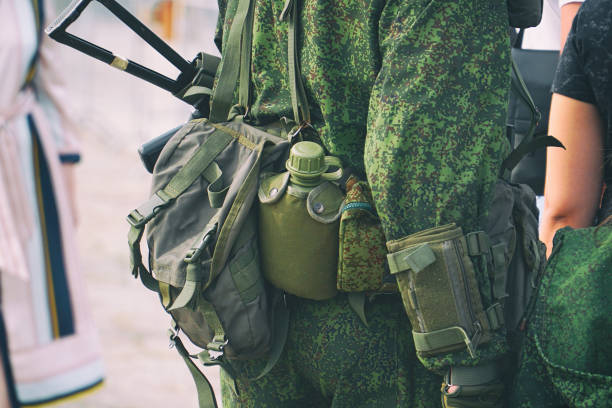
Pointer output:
431, 235
272, 187
324, 202
358, 202
413, 258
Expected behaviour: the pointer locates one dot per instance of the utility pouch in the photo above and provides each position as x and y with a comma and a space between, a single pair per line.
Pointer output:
201, 230
439, 289
298, 236
362, 260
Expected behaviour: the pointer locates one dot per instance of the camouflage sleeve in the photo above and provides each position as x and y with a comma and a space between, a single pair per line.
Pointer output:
436, 123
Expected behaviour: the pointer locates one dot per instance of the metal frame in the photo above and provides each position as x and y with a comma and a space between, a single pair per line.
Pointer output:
57, 31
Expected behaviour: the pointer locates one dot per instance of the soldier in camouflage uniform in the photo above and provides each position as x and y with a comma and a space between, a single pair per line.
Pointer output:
411, 94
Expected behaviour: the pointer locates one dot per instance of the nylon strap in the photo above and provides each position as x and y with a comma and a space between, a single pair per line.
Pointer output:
479, 244
299, 102
206, 394
483, 373
195, 272
415, 259
244, 93
197, 164
247, 188
440, 339
528, 144
185, 177
281, 329
224, 92
357, 301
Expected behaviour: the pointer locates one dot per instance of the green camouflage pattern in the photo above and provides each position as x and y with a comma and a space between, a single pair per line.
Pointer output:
362, 253
418, 87
568, 349
332, 359
411, 94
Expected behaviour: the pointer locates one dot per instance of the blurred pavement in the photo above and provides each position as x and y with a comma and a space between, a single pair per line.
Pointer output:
118, 112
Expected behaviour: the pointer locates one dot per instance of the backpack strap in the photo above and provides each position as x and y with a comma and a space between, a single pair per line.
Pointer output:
237, 65
529, 143
299, 102
206, 395
238, 47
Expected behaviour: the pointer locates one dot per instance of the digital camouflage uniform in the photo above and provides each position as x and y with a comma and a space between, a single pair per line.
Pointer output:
411, 94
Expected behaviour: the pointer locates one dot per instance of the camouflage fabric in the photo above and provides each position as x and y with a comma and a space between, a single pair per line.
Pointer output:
411, 94
332, 360
566, 359
363, 255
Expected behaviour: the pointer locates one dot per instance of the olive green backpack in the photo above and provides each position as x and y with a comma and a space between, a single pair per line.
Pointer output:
201, 222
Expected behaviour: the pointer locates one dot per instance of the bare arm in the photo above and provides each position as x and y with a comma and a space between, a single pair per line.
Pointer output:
574, 176
568, 12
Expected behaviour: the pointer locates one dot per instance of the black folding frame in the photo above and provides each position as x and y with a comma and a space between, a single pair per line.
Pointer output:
57, 31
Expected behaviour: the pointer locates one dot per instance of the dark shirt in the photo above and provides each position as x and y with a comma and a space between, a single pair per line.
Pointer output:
585, 67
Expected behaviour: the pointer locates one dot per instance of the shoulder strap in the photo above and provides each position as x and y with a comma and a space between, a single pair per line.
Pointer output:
237, 64
299, 102
529, 143
238, 47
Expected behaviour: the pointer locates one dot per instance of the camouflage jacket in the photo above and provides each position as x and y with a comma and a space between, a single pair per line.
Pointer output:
412, 94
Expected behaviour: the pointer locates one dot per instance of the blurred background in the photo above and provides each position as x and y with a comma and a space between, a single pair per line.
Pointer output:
117, 113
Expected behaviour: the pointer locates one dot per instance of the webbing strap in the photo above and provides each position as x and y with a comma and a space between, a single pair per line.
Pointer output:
528, 144
244, 92
441, 339
415, 259
483, 373
206, 394
197, 164
248, 187
281, 329
495, 315
224, 92
357, 301
479, 244
195, 272
500, 271
299, 102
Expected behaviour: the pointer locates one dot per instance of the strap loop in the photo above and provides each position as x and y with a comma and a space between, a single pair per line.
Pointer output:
415, 259
147, 211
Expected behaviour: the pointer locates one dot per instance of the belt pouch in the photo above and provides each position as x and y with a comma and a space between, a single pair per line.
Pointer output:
362, 259
439, 289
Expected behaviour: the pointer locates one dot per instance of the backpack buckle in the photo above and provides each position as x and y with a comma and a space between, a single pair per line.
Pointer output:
194, 253
145, 213
216, 348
